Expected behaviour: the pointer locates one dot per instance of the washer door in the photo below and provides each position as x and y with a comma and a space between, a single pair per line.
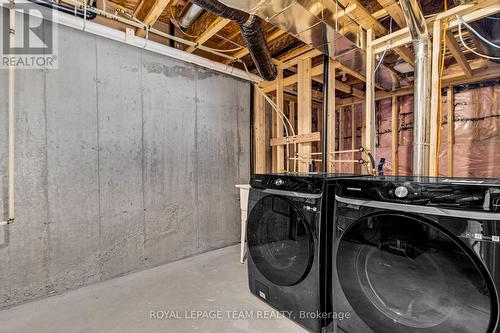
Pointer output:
399, 273
280, 241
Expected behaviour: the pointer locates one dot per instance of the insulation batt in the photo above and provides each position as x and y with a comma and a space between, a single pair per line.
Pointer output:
477, 134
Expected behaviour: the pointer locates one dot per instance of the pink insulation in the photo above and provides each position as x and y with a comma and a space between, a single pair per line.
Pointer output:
477, 134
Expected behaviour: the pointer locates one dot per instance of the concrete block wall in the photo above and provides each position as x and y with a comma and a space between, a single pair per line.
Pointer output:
125, 160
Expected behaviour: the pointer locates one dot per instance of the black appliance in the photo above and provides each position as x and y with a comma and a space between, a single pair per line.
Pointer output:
414, 254
289, 242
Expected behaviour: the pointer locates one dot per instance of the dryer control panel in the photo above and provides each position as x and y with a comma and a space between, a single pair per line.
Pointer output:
481, 195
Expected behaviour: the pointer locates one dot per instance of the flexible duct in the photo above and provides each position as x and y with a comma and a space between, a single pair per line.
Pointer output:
251, 31
421, 107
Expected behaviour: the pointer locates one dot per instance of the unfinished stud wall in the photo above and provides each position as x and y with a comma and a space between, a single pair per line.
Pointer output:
125, 160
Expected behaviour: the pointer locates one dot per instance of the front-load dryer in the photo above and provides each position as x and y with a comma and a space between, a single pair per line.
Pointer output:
417, 255
288, 244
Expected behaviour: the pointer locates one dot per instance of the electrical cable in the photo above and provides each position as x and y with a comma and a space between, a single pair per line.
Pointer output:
461, 20
284, 119
373, 80
468, 48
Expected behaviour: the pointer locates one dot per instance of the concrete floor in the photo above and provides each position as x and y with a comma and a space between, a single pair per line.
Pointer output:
212, 281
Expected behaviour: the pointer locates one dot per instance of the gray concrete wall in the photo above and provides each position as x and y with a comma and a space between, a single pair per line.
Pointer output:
125, 160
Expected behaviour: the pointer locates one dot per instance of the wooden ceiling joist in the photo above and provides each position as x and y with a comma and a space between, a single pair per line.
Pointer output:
457, 53
394, 10
217, 25
148, 12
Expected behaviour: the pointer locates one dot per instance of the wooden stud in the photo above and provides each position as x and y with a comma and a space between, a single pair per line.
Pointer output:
331, 115
304, 122
339, 157
292, 113
395, 136
451, 129
353, 136
370, 93
435, 98
260, 133
274, 149
280, 102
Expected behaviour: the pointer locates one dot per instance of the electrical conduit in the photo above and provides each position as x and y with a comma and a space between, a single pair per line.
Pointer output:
12, 38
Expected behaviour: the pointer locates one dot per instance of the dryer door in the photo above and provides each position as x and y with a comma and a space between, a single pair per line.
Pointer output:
280, 240
402, 273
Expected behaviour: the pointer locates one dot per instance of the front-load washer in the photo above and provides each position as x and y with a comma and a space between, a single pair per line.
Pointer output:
417, 255
288, 245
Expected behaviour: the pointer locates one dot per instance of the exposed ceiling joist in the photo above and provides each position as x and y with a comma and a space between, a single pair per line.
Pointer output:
394, 10
457, 53
148, 12
217, 25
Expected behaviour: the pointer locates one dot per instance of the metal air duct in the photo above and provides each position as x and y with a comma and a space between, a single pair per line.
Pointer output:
421, 105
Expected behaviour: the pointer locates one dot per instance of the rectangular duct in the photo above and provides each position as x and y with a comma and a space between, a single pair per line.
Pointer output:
322, 24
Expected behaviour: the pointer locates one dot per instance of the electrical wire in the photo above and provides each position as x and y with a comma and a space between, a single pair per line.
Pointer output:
373, 80
284, 119
471, 50
461, 20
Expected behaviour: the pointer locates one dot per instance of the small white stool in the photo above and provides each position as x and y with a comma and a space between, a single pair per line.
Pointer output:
244, 191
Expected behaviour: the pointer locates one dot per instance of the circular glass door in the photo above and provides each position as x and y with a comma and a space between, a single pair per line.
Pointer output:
279, 241
401, 274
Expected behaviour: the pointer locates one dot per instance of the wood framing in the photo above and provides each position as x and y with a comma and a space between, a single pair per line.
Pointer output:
280, 102
370, 93
304, 115
395, 135
457, 53
260, 133
450, 130
353, 136
332, 121
300, 138
148, 12
218, 24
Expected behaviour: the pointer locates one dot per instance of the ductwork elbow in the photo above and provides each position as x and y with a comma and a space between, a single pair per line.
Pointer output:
252, 32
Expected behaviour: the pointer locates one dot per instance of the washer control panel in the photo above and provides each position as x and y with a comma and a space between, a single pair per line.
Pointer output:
477, 195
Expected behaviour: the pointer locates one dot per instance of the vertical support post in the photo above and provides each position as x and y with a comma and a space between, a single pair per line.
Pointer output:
292, 113
435, 122
304, 92
370, 93
280, 102
331, 119
353, 136
450, 103
324, 118
274, 149
260, 132
395, 136
341, 138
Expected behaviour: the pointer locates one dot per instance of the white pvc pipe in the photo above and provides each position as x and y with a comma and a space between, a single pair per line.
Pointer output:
12, 123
